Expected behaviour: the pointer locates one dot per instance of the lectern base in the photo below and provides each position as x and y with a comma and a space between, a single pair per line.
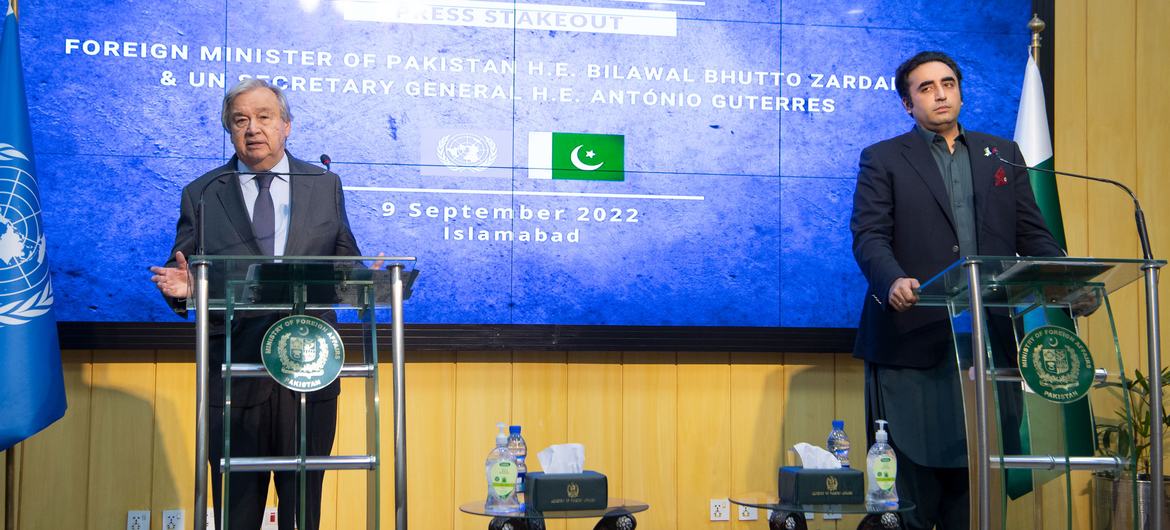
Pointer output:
795, 521
612, 522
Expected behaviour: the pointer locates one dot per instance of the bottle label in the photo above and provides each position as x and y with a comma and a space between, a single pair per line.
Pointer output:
503, 476
885, 469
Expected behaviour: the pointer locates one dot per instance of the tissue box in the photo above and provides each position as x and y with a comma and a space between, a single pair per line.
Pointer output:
566, 491
821, 486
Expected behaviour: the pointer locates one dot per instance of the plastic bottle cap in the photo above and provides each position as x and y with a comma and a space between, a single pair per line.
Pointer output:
881, 435
501, 437
514, 429
838, 424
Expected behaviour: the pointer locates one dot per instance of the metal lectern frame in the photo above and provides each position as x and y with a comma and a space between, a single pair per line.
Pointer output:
978, 282
203, 304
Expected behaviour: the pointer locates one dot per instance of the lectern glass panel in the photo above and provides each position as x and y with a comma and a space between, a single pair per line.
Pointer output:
252, 299
1031, 422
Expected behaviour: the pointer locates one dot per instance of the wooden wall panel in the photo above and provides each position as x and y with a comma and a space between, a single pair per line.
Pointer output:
122, 433
704, 438
757, 419
809, 407
1153, 157
539, 403
483, 397
1110, 116
1070, 119
430, 439
345, 491
650, 435
55, 464
849, 405
594, 417
173, 472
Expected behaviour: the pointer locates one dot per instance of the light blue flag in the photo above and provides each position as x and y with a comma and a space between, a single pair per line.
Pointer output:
32, 391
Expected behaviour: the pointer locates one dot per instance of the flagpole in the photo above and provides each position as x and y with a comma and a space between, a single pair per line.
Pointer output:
10, 454
10, 488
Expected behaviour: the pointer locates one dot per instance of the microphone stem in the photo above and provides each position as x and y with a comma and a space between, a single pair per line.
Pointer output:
1139, 216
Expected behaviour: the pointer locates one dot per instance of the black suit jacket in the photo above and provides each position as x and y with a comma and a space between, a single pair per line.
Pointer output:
318, 226
902, 227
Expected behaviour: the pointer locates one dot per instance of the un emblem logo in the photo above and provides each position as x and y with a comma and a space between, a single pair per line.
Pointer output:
466, 151
25, 290
303, 353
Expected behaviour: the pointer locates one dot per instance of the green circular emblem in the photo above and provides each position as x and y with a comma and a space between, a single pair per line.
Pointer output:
303, 353
1056, 364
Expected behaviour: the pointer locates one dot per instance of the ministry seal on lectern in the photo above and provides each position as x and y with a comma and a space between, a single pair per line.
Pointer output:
1056, 364
302, 353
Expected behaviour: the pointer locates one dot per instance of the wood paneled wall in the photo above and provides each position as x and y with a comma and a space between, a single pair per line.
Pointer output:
674, 430
1111, 116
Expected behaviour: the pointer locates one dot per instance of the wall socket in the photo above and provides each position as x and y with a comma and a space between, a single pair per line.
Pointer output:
747, 513
173, 520
720, 510
138, 520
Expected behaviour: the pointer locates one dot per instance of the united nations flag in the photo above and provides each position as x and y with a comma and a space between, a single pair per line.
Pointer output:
32, 392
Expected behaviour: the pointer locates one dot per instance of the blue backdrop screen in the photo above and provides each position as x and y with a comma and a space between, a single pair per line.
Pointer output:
618, 162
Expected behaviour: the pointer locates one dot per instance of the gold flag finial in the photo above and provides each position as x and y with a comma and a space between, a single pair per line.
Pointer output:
1037, 26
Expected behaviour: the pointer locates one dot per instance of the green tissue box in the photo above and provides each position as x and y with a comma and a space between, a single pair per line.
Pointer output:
566, 491
821, 486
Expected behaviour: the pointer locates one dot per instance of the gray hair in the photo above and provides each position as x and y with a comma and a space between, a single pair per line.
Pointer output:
246, 86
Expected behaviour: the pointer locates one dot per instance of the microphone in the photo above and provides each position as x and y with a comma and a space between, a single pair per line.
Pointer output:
1139, 216
326, 161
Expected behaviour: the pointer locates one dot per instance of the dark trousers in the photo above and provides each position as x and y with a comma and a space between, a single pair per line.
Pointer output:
270, 429
941, 495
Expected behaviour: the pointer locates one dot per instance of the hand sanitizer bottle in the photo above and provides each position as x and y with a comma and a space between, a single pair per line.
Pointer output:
501, 477
881, 467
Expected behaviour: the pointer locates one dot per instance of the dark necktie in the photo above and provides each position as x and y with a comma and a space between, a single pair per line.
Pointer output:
264, 214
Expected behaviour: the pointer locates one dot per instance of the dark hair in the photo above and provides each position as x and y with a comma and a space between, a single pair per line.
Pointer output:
902, 75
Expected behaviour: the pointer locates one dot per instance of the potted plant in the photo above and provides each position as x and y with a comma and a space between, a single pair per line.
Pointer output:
1114, 493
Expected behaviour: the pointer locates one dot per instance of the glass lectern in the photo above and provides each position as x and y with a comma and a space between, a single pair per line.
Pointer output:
1027, 415
306, 356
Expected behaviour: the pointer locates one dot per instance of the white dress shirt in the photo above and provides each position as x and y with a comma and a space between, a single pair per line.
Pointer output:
281, 199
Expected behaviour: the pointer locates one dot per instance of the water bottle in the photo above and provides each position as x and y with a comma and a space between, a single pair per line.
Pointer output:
839, 443
882, 470
519, 450
501, 477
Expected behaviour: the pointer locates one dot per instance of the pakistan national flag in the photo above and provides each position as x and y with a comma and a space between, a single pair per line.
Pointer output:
556, 155
1048, 428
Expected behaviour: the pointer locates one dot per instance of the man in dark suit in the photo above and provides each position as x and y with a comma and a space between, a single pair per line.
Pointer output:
263, 202
925, 199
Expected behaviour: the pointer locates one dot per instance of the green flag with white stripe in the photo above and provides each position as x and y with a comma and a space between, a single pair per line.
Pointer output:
1048, 428
576, 156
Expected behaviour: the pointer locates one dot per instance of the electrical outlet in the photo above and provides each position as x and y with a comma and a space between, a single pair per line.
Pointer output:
747, 513
720, 510
173, 520
138, 520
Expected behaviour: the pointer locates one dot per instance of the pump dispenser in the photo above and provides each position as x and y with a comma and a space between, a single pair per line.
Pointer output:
501, 477
881, 466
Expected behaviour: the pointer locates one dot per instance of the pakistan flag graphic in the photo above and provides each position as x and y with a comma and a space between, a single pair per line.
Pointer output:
574, 156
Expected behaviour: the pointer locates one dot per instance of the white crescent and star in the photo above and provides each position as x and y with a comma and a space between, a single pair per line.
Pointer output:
576, 159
